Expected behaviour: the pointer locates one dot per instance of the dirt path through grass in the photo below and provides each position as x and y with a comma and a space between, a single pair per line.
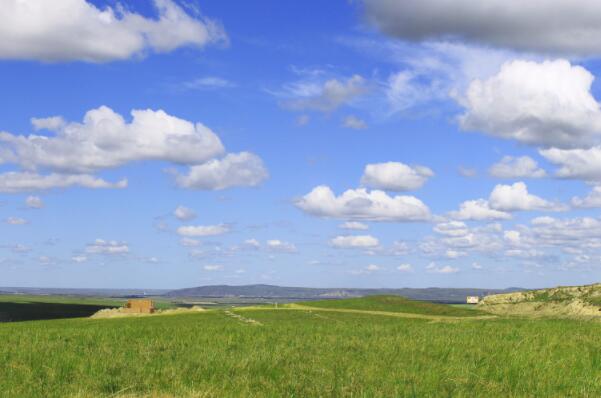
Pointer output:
301, 307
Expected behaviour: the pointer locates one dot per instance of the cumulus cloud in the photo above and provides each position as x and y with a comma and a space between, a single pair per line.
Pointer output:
276, 245
516, 197
405, 268
367, 270
353, 122
112, 247
395, 176
354, 225
15, 221
546, 104
34, 202
234, 170
478, 210
69, 30
436, 269
355, 241
359, 204
105, 139
581, 164
183, 213
203, 230
558, 26
520, 167
326, 96
14, 182
592, 200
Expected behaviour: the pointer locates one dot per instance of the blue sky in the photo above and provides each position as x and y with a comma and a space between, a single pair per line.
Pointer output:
374, 143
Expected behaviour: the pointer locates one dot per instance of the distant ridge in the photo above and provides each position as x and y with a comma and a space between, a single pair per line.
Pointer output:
270, 291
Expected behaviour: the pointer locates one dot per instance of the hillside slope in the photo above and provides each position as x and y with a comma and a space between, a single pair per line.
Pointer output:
563, 301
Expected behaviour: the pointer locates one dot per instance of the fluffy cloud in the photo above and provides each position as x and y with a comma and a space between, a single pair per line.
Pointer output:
184, 214
79, 259
235, 169
13, 182
353, 122
213, 267
582, 164
395, 176
593, 199
405, 268
545, 104
16, 221
354, 225
34, 202
435, 269
105, 140
354, 241
203, 230
276, 245
516, 197
558, 26
326, 96
359, 204
67, 30
112, 247
478, 210
521, 167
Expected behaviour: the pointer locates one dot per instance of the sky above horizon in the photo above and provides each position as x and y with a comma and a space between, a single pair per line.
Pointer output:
374, 143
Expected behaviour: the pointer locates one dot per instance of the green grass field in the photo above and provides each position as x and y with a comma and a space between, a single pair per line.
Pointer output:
301, 353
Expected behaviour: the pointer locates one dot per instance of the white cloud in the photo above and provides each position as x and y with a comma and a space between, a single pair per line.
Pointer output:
112, 247
477, 266
581, 164
478, 210
234, 170
203, 230
189, 242
558, 26
353, 122
184, 214
405, 268
516, 197
252, 243
206, 83
354, 225
79, 259
435, 269
68, 30
521, 167
545, 104
34, 202
367, 270
276, 245
324, 96
359, 204
395, 176
16, 221
592, 200
13, 182
48, 123
213, 267
452, 228
355, 241
105, 140
467, 172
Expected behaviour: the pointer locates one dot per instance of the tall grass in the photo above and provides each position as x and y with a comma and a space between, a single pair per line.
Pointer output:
299, 354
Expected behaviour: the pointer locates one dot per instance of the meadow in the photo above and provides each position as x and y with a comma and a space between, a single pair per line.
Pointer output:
300, 352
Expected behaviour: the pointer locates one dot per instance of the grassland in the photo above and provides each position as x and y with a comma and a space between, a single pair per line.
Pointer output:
300, 353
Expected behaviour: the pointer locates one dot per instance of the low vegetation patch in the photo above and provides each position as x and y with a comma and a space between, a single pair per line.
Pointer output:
395, 304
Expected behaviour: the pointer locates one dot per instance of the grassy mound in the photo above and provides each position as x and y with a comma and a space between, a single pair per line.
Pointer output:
394, 304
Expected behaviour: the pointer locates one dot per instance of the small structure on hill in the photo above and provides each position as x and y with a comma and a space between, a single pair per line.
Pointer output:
139, 306
472, 299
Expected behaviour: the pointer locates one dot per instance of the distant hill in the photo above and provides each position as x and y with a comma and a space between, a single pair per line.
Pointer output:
82, 292
450, 295
563, 301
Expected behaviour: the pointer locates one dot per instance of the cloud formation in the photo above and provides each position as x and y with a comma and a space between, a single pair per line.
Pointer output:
76, 30
559, 26
521, 167
354, 241
395, 176
360, 204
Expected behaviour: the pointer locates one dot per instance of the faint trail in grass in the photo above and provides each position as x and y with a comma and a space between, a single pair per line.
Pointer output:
242, 319
301, 307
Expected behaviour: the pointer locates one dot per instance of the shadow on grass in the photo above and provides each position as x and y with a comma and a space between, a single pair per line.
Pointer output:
31, 311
